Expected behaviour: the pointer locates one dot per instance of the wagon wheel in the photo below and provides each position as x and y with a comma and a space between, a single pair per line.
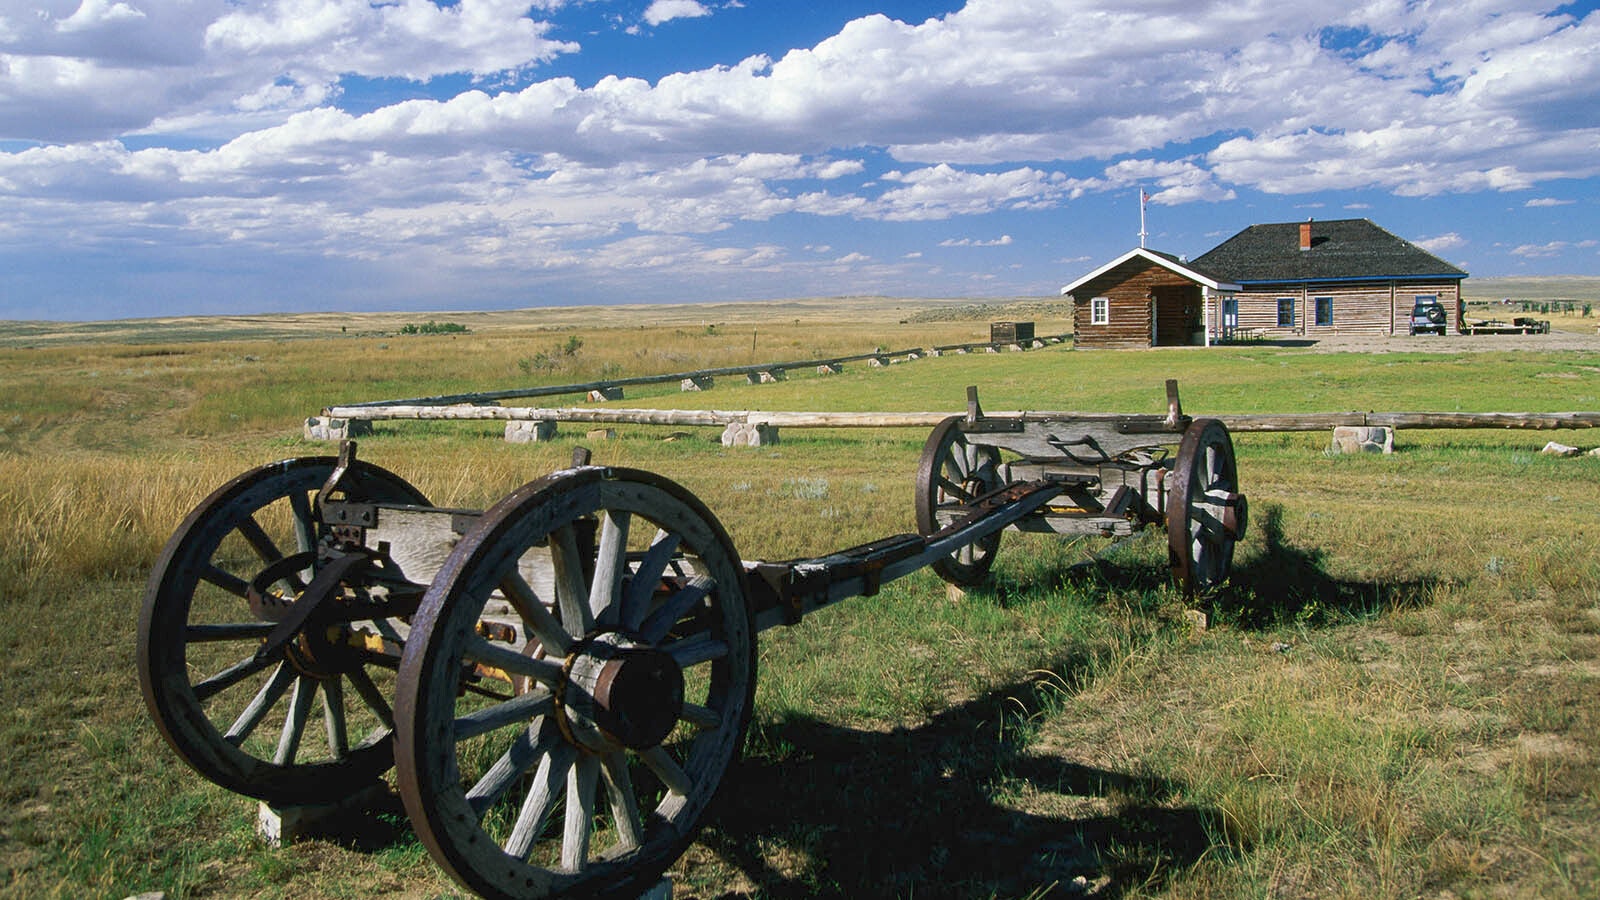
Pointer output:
623, 710
1205, 512
951, 475
233, 689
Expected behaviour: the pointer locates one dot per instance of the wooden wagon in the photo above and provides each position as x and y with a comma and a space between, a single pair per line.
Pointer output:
562, 681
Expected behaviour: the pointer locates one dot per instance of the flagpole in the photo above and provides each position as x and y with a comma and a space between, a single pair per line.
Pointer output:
1142, 233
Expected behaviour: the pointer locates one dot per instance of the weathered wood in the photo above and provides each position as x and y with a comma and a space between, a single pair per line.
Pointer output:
563, 414
1271, 422
620, 383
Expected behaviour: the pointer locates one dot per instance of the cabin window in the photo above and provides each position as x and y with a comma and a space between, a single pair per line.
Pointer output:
1100, 311
1324, 311
1286, 312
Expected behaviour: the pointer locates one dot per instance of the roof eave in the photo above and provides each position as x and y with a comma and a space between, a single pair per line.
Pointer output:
1247, 282
1159, 260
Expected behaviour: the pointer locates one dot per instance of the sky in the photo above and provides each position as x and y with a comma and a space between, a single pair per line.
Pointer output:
182, 157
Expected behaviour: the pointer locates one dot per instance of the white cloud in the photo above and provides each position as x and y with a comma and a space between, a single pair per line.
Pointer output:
661, 11
1001, 241
1552, 248
1002, 106
1441, 243
1538, 202
213, 67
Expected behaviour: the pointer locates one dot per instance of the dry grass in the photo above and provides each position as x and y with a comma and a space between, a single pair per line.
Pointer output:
1395, 698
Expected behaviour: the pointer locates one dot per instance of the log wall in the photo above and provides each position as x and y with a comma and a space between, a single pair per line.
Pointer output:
1129, 289
1358, 307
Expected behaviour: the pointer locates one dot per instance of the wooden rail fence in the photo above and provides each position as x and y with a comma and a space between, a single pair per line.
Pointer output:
760, 426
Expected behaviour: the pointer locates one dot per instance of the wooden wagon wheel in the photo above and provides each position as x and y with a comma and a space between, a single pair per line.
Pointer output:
233, 688
1206, 513
952, 474
579, 764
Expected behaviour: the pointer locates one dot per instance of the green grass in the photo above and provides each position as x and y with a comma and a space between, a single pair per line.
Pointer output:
1395, 698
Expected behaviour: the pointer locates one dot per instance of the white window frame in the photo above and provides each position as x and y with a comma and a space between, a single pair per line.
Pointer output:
1100, 311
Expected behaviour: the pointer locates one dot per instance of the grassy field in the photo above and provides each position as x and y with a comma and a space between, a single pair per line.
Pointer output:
1395, 698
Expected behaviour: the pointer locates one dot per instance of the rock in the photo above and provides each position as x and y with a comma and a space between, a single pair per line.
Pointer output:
749, 434
1555, 449
1363, 439
321, 428
528, 431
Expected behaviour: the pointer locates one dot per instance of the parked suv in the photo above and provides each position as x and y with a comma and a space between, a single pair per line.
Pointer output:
1428, 317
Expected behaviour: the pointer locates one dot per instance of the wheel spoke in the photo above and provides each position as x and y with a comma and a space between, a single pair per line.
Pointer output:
624, 804
572, 595
513, 663
611, 562
952, 489
543, 625
267, 549
695, 650
519, 757
226, 580
305, 528
294, 727
538, 702
334, 719
371, 696
659, 761
231, 676
258, 539
582, 779
548, 784
260, 705
661, 621
646, 578
702, 717
227, 631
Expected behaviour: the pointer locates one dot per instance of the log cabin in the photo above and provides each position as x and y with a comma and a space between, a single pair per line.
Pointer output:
1292, 279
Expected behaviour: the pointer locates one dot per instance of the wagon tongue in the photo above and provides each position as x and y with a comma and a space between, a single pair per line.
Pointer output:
801, 586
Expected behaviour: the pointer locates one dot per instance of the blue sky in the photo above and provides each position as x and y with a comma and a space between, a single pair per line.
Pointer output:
167, 157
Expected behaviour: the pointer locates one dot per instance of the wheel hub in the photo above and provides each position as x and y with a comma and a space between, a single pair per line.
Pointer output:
620, 693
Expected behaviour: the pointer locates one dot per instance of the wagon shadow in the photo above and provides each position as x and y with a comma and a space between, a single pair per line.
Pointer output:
1280, 584
841, 812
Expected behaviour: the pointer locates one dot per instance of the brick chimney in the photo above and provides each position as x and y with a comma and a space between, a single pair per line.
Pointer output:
1305, 235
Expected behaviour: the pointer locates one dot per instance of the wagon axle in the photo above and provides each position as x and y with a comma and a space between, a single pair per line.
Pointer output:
562, 680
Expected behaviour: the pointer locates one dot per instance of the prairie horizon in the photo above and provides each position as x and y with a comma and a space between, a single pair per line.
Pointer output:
1576, 289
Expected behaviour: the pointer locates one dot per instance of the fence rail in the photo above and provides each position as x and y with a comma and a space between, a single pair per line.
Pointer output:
616, 384
686, 417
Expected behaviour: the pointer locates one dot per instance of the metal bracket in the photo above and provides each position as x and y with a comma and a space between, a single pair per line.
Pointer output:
976, 423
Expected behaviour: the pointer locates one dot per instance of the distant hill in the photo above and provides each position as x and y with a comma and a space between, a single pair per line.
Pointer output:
1535, 288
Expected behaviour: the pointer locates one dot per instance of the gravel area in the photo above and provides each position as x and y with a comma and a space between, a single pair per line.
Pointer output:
1450, 343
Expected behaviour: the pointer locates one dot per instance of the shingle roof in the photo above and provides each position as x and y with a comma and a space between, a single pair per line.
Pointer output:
1341, 249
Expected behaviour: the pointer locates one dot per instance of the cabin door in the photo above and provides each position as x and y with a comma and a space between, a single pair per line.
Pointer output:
1177, 315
